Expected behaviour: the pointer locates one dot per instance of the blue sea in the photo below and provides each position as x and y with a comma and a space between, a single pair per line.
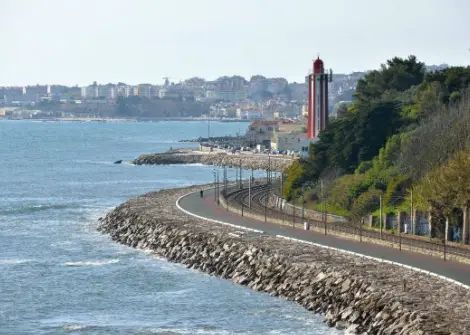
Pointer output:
58, 275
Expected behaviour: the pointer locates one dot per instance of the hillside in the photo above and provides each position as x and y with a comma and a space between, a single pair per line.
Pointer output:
408, 130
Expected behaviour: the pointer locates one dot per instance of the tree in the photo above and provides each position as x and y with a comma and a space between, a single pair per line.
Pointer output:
448, 186
294, 179
365, 204
437, 138
397, 74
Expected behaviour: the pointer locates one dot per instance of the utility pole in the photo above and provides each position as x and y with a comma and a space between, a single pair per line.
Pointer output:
236, 176
399, 231
218, 188
267, 177
323, 210
215, 186
269, 194
225, 184
209, 129
265, 208
269, 167
380, 215
249, 193
303, 206
241, 178
445, 249
293, 215
412, 228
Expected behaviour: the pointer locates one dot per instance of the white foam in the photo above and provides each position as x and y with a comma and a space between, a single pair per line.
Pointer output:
14, 261
92, 263
75, 327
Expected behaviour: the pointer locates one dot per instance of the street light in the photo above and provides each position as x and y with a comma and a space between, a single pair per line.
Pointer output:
305, 186
215, 185
293, 214
380, 216
218, 188
323, 206
303, 204
399, 218
241, 177
249, 192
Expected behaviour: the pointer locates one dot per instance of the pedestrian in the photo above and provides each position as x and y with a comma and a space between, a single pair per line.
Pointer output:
201, 193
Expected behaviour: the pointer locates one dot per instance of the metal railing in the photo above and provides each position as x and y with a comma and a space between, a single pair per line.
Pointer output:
264, 205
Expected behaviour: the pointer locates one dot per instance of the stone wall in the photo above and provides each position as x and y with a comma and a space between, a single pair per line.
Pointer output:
247, 161
358, 294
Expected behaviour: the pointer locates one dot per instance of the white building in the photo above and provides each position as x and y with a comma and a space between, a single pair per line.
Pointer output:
291, 142
146, 90
248, 114
90, 91
107, 91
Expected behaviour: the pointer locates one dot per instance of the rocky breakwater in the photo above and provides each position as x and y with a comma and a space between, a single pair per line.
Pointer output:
356, 294
245, 160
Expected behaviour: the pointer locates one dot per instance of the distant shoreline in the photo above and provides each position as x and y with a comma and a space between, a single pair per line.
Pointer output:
125, 119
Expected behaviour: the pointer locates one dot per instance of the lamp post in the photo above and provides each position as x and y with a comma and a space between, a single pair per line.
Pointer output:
215, 186
265, 208
241, 183
269, 167
323, 209
209, 129
380, 216
399, 217
303, 204
249, 193
293, 215
218, 188
225, 184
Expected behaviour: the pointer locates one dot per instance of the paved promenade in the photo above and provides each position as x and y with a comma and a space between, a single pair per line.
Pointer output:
206, 207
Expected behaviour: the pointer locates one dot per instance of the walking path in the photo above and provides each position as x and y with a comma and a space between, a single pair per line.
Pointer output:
206, 207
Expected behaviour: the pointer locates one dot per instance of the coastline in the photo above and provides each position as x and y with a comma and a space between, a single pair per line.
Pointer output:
218, 158
128, 119
356, 294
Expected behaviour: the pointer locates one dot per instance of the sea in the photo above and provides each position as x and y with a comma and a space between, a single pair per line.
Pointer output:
58, 275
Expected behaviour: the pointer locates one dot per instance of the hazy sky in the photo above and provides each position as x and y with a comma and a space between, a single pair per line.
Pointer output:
79, 41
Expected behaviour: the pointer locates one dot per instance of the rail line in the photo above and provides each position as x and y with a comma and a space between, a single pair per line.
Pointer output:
262, 204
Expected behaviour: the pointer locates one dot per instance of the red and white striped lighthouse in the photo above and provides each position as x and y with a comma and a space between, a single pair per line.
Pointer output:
317, 107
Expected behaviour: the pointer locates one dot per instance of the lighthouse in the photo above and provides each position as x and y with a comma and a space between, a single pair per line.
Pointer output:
317, 107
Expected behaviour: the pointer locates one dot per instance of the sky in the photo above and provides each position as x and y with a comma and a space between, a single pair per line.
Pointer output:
76, 42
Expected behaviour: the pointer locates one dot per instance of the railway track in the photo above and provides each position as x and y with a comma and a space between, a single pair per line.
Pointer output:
261, 204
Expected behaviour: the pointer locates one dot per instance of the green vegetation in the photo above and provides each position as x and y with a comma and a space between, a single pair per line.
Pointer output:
406, 130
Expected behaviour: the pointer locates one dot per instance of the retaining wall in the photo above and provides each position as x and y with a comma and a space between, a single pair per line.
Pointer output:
351, 292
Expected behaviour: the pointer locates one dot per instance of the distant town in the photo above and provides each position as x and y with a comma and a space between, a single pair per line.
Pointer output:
283, 115
226, 98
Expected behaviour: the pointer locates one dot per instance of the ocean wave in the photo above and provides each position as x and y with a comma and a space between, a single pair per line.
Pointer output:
93, 162
14, 261
92, 263
165, 182
191, 164
75, 327
204, 330
27, 209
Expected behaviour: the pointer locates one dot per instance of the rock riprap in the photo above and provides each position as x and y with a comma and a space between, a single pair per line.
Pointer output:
359, 295
247, 161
